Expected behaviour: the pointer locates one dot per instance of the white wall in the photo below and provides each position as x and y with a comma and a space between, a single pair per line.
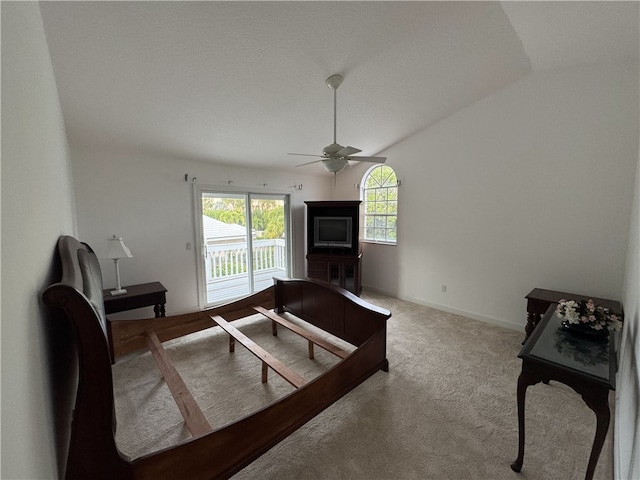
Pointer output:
146, 200
37, 207
627, 433
529, 187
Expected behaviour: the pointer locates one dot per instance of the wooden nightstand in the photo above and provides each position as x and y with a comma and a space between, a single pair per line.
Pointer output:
137, 296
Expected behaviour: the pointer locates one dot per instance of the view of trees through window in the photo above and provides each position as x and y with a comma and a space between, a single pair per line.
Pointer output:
267, 215
241, 256
380, 198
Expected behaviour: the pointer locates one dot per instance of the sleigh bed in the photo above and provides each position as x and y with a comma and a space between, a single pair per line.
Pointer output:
209, 453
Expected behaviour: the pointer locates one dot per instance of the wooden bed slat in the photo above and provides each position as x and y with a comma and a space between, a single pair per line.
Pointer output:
267, 359
193, 416
312, 337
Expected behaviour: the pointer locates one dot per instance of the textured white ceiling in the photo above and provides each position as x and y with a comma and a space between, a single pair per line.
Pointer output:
565, 34
243, 83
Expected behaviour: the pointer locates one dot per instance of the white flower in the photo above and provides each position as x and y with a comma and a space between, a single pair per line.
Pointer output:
615, 323
587, 314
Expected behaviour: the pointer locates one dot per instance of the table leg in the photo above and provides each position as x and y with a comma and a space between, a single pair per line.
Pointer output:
523, 382
532, 320
158, 309
598, 401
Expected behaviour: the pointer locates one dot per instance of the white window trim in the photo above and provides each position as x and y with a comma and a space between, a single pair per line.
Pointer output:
364, 214
199, 251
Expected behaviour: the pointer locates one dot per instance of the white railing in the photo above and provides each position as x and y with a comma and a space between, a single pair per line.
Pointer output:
230, 259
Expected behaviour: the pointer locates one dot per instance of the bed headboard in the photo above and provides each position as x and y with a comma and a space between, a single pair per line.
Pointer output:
79, 296
81, 272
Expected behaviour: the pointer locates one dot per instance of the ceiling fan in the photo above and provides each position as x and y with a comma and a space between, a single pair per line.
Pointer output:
335, 157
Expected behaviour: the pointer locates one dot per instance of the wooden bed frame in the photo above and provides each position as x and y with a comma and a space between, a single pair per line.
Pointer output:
209, 453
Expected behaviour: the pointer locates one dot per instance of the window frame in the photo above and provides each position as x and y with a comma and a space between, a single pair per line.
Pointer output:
249, 194
386, 215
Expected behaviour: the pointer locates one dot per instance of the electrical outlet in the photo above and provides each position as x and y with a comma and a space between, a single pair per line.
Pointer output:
188, 245
443, 289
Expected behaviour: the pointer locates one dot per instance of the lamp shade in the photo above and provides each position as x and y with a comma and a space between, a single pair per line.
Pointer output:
117, 249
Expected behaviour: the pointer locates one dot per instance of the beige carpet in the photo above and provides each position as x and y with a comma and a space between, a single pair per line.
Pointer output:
445, 410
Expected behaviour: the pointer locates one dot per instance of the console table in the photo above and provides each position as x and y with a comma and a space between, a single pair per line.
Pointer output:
137, 296
587, 366
539, 300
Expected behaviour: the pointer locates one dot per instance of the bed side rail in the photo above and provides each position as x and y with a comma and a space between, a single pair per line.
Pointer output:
126, 336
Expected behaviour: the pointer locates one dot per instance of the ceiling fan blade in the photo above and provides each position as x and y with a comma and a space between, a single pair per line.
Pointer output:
309, 163
346, 151
306, 155
368, 159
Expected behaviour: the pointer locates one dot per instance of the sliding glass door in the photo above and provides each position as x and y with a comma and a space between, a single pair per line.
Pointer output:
244, 243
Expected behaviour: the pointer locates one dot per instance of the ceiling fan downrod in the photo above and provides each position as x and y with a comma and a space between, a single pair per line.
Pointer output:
335, 157
333, 82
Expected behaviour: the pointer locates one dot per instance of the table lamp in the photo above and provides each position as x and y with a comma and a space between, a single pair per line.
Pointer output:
116, 249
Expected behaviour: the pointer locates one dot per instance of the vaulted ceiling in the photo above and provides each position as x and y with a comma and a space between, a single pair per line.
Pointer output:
243, 83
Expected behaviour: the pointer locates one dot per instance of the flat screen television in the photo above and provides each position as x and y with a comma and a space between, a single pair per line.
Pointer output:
332, 232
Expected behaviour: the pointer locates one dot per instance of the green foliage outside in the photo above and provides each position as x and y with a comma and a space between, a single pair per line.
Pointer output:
227, 210
267, 215
381, 205
267, 221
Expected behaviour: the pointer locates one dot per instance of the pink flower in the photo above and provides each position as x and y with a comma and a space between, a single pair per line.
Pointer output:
588, 314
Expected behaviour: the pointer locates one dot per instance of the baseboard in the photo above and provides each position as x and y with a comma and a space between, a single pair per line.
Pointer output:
455, 311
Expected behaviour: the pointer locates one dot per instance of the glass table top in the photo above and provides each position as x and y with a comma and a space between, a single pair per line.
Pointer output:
552, 343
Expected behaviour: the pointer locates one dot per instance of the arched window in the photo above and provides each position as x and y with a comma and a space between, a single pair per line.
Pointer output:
380, 198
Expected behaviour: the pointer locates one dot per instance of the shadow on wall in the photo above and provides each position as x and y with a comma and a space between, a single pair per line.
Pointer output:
381, 269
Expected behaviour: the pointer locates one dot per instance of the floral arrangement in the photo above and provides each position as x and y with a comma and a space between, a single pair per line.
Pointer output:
587, 314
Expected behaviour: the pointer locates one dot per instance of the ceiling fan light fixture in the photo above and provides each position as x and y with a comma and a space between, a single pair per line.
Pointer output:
335, 164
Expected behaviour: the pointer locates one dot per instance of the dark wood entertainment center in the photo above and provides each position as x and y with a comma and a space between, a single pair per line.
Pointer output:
336, 264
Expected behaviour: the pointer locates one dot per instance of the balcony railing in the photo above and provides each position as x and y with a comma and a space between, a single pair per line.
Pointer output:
230, 259
226, 268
